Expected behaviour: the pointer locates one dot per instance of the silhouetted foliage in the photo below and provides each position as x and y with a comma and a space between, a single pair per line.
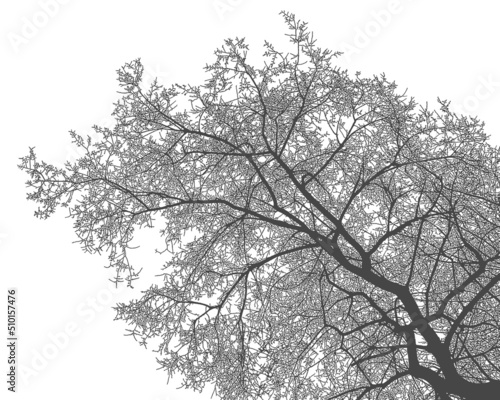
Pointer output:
347, 239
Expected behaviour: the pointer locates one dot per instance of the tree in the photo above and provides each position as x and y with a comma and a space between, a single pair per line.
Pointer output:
346, 238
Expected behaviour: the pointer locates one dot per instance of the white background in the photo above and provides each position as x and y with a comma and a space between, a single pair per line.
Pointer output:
60, 75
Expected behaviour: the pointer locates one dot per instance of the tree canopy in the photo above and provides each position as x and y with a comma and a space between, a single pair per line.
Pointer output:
347, 238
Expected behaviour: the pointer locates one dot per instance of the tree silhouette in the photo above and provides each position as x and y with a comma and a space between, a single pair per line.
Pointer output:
347, 239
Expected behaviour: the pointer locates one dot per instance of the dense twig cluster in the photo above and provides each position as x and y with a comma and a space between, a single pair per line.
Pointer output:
347, 241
